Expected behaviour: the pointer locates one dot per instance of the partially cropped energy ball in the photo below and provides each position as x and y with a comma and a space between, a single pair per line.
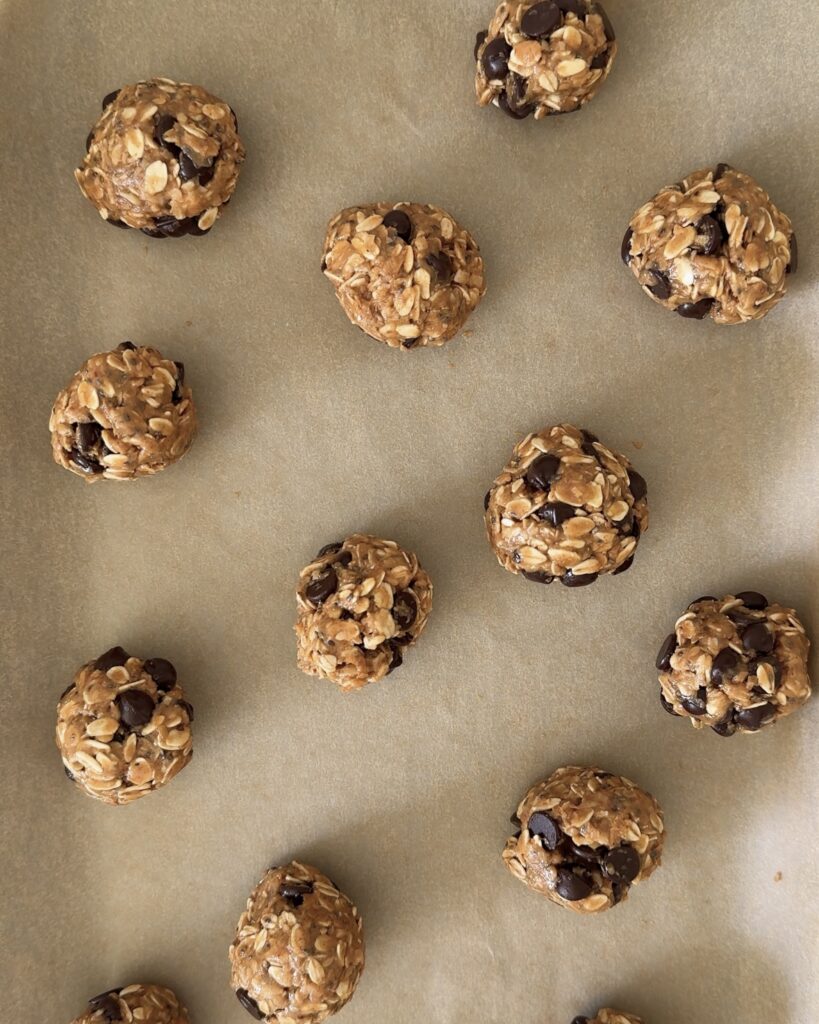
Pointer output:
124, 727
125, 414
566, 507
408, 275
736, 663
299, 948
164, 157
148, 1004
361, 603
713, 245
544, 58
586, 836
608, 1016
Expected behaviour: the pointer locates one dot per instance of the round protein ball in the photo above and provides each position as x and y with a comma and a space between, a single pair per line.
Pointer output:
148, 1004
713, 245
586, 836
299, 948
736, 663
125, 414
164, 157
361, 603
606, 1015
544, 58
408, 275
566, 507
124, 727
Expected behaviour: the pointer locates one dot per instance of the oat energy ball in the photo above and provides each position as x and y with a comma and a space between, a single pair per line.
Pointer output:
735, 663
608, 1016
125, 414
713, 245
299, 947
544, 58
566, 507
408, 275
361, 603
164, 157
586, 836
148, 1004
124, 727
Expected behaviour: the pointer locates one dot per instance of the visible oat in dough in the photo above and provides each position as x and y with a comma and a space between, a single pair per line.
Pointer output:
736, 663
408, 275
164, 157
544, 58
606, 1015
148, 1004
566, 507
125, 414
124, 727
361, 603
299, 948
714, 245
586, 836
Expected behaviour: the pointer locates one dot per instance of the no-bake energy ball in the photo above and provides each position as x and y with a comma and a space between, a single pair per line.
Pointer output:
123, 415
713, 245
163, 157
124, 727
148, 1004
299, 948
408, 275
606, 1015
586, 836
361, 603
735, 663
544, 58
566, 507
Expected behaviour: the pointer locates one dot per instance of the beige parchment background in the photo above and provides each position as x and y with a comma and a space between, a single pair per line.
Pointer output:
309, 430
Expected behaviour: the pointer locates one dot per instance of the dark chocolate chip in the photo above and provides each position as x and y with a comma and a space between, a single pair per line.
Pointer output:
724, 666
571, 886
111, 658
668, 706
163, 124
635, 529
344, 558
637, 485
397, 659
720, 169
586, 854
625, 247
88, 435
107, 1004
486, 500
726, 727
695, 310
404, 609
495, 59
696, 706
538, 577
624, 567
249, 1004
187, 168
589, 436
120, 736
707, 597
622, 864
758, 638
294, 892
516, 112
68, 773
136, 708
162, 672
608, 28
153, 232
330, 549
126, 346
752, 719
87, 463
89, 139
752, 599
578, 8
109, 99
442, 265
322, 586
541, 20
663, 661
176, 396
194, 229
794, 260
480, 39
542, 825
589, 449
118, 224
170, 227
660, 286
580, 1020
709, 236
542, 471
555, 512
206, 174
400, 222
570, 580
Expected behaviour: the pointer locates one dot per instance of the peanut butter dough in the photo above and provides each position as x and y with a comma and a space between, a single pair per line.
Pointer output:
123, 415
586, 836
544, 58
736, 663
148, 1004
713, 245
566, 507
608, 1016
124, 727
163, 157
408, 275
299, 948
361, 603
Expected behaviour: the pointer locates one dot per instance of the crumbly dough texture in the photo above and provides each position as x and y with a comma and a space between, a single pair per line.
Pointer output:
566, 507
164, 157
124, 727
299, 947
606, 1015
736, 663
586, 836
147, 1004
713, 245
361, 603
544, 58
408, 275
125, 414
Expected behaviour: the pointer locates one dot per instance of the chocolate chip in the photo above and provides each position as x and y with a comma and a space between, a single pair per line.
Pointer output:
542, 825
194, 229
794, 260
88, 435
663, 661
118, 224
699, 600
571, 886
176, 396
153, 232
480, 39
752, 599
187, 168
206, 174
249, 1003
107, 100
637, 485
87, 463
404, 609
516, 112
589, 436
538, 577
486, 500
68, 773
608, 28
442, 265
589, 449
600, 61
111, 658
724, 666
555, 512
625, 247
622, 864
695, 310
540, 20
294, 892
624, 567
88, 140
136, 708
709, 236
570, 580
586, 854
495, 58
322, 586
126, 346
726, 727
753, 718
400, 222
668, 706
330, 549
578, 8
120, 736
696, 706
162, 672
542, 471
758, 638
397, 659
661, 286
170, 227
344, 558
580, 1020
107, 1004
720, 169
164, 123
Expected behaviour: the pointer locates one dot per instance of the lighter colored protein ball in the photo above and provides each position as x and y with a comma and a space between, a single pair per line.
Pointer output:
147, 1004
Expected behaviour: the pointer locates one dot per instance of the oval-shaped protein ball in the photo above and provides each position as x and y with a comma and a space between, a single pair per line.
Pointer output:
566, 507
408, 275
544, 58
148, 1004
734, 664
298, 953
163, 157
715, 245
124, 414
361, 603
606, 1015
586, 836
124, 727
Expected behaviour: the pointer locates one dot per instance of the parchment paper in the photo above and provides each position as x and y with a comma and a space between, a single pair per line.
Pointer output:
310, 430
